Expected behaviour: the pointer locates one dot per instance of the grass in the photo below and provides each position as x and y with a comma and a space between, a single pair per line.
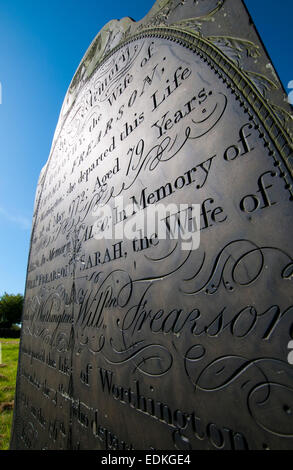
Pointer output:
8, 370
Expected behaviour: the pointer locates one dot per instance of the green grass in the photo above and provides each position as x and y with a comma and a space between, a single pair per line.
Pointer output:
8, 370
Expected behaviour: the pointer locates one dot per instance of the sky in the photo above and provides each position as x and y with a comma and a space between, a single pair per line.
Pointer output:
41, 46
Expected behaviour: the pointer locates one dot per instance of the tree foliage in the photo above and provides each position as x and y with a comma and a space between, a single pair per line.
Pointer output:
10, 309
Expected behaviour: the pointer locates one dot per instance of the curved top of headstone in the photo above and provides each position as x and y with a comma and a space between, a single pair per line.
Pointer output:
209, 18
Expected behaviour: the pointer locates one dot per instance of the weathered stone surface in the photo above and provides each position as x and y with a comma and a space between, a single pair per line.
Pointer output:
139, 342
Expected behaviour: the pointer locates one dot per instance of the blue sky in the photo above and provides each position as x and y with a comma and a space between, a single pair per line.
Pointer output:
41, 45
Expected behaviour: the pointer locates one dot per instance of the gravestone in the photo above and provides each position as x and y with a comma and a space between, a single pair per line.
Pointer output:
158, 304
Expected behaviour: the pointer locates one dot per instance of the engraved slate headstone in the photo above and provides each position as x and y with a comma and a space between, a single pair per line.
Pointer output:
173, 337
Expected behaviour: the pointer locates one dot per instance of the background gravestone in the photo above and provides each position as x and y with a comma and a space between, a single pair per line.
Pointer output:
138, 343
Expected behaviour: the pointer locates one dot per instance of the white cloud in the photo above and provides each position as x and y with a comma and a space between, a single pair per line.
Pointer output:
23, 222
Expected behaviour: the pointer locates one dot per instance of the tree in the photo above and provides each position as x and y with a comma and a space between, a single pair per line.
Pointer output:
10, 309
